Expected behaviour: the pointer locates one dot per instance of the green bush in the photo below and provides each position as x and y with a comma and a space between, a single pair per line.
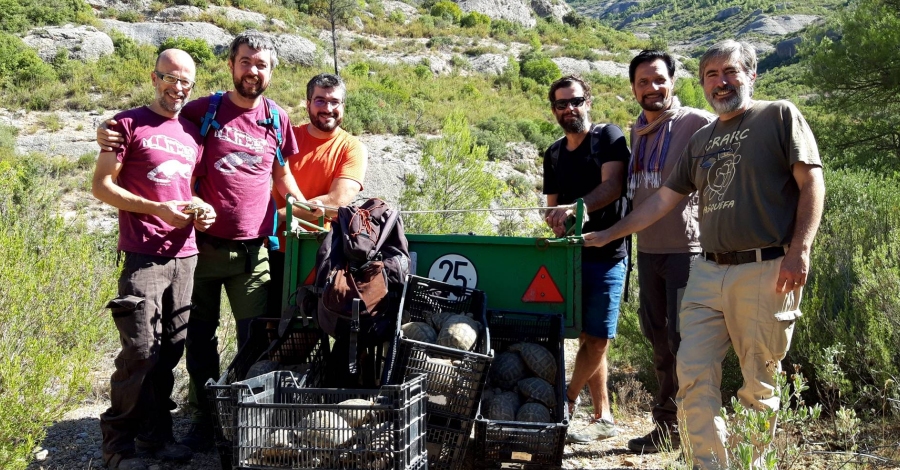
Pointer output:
17, 16
357, 69
197, 48
397, 17
473, 19
20, 65
57, 276
851, 296
539, 68
447, 10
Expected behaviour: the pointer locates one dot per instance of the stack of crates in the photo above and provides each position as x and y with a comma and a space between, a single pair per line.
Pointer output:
456, 378
516, 444
298, 347
281, 423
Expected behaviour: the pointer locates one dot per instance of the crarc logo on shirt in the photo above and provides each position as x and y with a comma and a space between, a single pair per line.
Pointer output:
242, 139
167, 169
170, 145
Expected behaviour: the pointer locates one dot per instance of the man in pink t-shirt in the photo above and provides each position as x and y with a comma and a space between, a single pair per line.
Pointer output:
149, 180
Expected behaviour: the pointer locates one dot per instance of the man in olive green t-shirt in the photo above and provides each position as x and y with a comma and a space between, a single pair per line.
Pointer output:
759, 176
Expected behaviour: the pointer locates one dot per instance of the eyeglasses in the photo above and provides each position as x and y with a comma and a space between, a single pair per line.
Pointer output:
560, 105
171, 80
709, 159
322, 102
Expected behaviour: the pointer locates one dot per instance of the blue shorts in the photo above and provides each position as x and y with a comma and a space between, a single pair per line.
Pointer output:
602, 284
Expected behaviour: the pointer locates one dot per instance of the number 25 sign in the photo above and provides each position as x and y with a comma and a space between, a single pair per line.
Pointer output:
454, 269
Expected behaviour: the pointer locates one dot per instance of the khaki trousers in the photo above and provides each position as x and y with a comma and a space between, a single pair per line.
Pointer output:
729, 305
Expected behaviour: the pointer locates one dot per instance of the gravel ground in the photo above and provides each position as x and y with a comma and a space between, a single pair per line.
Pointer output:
74, 442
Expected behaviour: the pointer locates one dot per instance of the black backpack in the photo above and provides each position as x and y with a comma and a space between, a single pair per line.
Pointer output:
361, 267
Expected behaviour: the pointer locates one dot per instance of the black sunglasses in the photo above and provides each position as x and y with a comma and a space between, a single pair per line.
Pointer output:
709, 159
560, 105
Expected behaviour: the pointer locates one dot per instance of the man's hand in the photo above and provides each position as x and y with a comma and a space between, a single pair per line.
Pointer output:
108, 139
556, 218
793, 272
170, 213
203, 213
596, 238
316, 206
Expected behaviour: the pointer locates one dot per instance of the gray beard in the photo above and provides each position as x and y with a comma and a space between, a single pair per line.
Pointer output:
734, 103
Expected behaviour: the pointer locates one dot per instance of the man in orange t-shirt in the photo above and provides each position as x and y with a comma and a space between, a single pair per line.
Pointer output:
330, 166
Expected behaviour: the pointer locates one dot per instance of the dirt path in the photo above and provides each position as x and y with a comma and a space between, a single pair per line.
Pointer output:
74, 442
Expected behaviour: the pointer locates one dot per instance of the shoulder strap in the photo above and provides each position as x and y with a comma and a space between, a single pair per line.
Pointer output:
275, 121
210, 118
596, 130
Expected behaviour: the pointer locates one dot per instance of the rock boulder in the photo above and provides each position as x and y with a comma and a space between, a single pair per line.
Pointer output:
81, 42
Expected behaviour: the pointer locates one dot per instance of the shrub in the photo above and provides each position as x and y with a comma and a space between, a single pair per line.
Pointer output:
473, 19
197, 48
447, 10
539, 68
422, 71
397, 17
357, 69
20, 65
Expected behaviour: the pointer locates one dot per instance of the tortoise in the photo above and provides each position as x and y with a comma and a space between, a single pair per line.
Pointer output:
437, 318
419, 331
507, 370
537, 389
325, 429
538, 359
460, 332
533, 413
261, 368
356, 417
503, 406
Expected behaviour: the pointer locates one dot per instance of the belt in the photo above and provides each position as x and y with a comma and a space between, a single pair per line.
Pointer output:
748, 256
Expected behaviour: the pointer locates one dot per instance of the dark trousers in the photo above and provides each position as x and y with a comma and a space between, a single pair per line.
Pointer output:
662, 278
151, 314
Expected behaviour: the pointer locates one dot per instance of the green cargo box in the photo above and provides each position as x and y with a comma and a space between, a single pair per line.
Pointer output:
540, 275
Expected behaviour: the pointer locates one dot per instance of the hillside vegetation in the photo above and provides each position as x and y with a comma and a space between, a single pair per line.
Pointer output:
56, 275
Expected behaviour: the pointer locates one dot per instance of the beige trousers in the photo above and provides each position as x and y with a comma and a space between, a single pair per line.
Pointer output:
729, 305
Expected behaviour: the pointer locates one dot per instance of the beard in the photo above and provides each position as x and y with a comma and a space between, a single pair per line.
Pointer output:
325, 125
573, 126
172, 107
250, 92
733, 103
656, 104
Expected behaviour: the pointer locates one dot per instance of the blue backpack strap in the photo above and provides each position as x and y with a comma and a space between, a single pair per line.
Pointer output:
274, 244
275, 121
210, 118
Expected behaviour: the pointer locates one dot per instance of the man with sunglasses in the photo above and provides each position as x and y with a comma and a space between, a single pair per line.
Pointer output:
589, 163
149, 178
667, 248
236, 177
760, 205
330, 165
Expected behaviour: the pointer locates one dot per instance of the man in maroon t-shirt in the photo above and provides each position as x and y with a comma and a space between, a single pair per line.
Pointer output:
148, 178
236, 177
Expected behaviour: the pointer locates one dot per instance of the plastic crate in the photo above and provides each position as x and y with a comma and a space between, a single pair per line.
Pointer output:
299, 345
447, 440
516, 444
455, 378
277, 425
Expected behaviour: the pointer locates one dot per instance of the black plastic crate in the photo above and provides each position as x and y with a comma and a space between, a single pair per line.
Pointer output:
516, 444
455, 377
282, 424
300, 345
447, 440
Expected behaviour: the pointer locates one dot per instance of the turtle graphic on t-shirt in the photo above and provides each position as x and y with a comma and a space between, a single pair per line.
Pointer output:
721, 173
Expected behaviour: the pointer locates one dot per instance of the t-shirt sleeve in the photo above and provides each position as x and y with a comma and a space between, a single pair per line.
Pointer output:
195, 110
613, 140
802, 145
680, 178
289, 146
354, 163
124, 126
549, 173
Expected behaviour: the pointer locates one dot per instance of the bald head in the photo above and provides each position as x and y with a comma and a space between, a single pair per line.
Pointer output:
176, 57
173, 78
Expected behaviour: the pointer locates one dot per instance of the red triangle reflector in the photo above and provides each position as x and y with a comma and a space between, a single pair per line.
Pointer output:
542, 289
311, 278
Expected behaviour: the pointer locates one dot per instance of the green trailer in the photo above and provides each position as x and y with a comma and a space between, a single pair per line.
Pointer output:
524, 274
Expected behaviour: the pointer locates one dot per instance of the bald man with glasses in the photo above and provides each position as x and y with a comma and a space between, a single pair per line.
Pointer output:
590, 163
